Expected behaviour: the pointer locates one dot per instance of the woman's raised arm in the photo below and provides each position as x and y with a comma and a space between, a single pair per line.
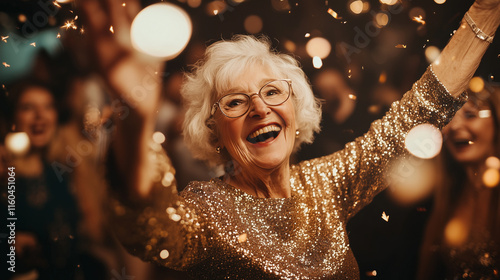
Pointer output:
134, 85
461, 56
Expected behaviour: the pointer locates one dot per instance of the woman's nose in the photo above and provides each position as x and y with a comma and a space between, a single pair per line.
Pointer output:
258, 107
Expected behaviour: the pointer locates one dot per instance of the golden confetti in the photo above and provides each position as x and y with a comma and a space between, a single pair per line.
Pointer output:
58, 35
334, 14
242, 238
371, 273
385, 217
124, 4
352, 96
4, 38
5, 64
69, 24
33, 44
82, 30
307, 35
112, 29
56, 4
76, 17
419, 19
401, 46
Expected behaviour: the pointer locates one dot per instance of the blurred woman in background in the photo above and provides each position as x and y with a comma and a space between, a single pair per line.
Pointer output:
462, 239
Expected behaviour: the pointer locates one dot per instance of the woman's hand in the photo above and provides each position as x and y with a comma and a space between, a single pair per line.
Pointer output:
131, 76
461, 57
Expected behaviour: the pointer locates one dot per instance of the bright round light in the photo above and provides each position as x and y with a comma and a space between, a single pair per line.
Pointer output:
319, 47
424, 141
164, 254
440, 1
493, 162
476, 84
491, 177
161, 30
158, 137
382, 19
317, 62
455, 232
356, 7
253, 24
17, 143
432, 53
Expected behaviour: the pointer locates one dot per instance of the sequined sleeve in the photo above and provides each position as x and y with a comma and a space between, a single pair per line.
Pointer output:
354, 175
166, 229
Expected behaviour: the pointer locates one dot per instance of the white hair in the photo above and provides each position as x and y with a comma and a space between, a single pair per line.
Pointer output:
223, 62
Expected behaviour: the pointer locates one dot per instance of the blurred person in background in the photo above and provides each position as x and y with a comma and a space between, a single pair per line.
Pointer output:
46, 209
462, 239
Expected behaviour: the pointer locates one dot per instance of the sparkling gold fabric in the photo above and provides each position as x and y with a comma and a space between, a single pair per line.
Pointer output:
216, 231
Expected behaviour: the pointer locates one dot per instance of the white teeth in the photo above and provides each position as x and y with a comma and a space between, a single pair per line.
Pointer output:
265, 129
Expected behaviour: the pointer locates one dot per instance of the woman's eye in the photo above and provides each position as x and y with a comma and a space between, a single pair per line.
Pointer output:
234, 103
273, 92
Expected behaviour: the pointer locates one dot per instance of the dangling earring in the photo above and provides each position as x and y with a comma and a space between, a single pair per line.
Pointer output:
217, 150
297, 133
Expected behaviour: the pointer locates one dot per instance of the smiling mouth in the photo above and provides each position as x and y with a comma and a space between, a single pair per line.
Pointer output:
264, 134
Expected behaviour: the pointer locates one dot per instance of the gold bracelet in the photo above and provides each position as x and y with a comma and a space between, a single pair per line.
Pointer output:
479, 33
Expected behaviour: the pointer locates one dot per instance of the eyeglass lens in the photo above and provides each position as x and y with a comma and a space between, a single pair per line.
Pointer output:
273, 93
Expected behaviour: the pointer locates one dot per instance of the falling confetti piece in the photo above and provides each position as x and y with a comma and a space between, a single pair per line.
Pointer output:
371, 273
58, 35
334, 14
385, 217
5, 64
56, 4
307, 35
419, 19
82, 30
69, 24
352, 96
4, 38
401, 46
242, 238
33, 44
112, 29
76, 17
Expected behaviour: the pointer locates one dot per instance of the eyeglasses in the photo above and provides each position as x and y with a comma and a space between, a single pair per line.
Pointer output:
235, 105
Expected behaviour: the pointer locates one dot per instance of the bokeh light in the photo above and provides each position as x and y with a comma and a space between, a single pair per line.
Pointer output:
476, 84
18, 143
194, 3
290, 46
161, 30
491, 177
216, 7
493, 162
411, 180
319, 47
424, 141
164, 254
439, 1
389, 2
381, 19
455, 232
356, 7
432, 53
253, 24
158, 137
317, 62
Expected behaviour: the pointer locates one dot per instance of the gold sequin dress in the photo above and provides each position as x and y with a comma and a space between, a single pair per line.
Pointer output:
215, 231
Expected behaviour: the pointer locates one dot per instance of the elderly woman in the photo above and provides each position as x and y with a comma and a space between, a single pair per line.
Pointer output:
250, 108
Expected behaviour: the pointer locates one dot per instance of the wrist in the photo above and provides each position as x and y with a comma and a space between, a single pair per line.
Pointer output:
486, 18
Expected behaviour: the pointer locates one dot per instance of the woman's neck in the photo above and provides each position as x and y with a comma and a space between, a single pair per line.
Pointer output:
29, 165
264, 183
474, 174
